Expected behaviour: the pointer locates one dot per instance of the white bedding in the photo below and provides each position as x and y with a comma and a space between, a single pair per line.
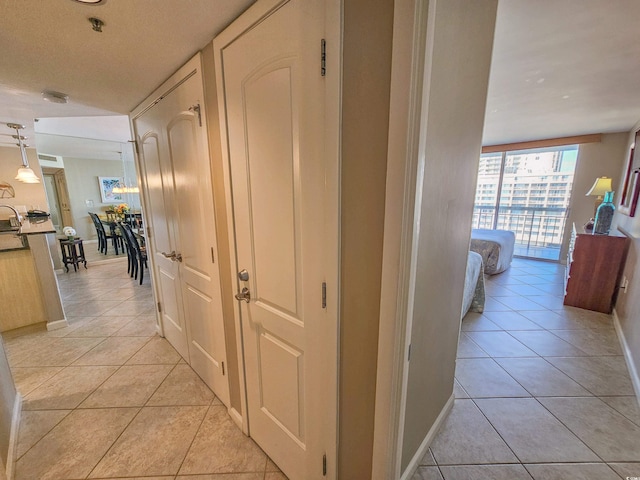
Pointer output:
473, 297
496, 248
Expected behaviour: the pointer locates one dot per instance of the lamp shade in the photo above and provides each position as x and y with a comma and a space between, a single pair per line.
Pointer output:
600, 187
26, 175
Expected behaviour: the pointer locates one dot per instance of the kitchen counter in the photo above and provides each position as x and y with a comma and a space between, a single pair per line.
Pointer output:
28, 287
36, 226
15, 238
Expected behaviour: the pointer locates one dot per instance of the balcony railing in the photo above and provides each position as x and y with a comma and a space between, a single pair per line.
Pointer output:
535, 228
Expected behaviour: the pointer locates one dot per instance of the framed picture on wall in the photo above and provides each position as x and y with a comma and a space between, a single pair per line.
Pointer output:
107, 185
631, 185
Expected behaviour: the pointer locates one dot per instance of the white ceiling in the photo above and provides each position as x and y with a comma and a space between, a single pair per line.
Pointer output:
50, 45
563, 67
560, 67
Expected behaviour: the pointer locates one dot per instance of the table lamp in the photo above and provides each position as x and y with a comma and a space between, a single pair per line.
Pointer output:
601, 186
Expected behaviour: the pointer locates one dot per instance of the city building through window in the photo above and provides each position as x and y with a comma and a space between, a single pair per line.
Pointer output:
527, 192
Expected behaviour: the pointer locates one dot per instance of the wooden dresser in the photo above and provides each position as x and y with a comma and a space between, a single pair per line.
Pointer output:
594, 268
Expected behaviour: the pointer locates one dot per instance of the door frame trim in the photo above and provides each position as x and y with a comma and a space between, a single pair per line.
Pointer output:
410, 68
332, 124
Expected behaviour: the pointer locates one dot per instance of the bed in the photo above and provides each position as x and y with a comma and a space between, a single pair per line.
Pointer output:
495, 247
473, 297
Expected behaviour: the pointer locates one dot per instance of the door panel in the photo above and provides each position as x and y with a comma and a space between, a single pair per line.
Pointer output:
273, 102
272, 187
158, 218
177, 123
281, 367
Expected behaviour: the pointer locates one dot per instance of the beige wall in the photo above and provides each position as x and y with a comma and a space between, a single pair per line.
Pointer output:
628, 304
227, 284
365, 111
7, 399
601, 159
82, 182
455, 89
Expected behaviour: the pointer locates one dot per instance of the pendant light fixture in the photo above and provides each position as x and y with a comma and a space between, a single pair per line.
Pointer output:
25, 174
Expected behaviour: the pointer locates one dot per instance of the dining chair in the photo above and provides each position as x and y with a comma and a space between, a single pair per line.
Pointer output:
138, 256
131, 254
99, 232
103, 236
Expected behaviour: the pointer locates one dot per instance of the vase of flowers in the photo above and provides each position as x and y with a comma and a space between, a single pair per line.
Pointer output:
121, 210
70, 233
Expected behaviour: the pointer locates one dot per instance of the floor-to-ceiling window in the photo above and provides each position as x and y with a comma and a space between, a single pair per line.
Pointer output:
527, 192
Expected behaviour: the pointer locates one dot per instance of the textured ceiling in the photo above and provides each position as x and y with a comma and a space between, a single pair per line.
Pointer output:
50, 45
560, 67
563, 67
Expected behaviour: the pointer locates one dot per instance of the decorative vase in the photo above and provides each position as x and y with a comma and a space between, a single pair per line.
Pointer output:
604, 215
71, 238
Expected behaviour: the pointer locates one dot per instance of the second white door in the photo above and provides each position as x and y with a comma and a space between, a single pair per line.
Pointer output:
177, 177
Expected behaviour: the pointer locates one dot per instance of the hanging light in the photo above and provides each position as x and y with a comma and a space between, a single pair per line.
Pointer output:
25, 174
123, 188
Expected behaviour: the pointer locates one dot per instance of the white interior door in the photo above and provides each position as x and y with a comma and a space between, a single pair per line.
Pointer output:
158, 183
273, 94
174, 143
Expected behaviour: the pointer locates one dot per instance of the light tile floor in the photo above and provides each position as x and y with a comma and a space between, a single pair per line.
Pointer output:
106, 397
542, 390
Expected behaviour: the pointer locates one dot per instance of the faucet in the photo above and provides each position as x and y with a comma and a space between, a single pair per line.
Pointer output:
18, 216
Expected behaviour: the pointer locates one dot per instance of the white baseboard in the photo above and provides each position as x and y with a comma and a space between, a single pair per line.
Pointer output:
633, 371
236, 417
57, 324
424, 446
13, 437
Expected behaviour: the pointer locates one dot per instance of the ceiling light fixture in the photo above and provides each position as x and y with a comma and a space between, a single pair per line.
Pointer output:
55, 97
25, 174
91, 2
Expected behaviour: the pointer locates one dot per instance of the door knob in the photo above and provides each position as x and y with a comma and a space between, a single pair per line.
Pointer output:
245, 295
179, 257
243, 275
171, 256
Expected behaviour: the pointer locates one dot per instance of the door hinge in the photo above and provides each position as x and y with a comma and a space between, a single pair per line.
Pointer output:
149, 232
159, 308
213, 258
136, 145
196, 109
409, 354
324, 294
222, 368
323, 57
324, 465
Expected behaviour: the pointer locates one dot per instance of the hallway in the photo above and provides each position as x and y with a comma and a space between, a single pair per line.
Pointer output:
542, 390
107, 397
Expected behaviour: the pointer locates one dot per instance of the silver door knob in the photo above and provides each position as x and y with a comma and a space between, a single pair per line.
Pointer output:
179, 257
243, 275
245, 295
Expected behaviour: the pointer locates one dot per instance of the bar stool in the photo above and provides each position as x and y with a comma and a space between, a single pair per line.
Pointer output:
72, 252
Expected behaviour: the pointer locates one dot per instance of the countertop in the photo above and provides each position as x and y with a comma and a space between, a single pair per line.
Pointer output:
36, 226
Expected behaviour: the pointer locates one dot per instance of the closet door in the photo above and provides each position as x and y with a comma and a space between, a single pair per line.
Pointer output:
273, 93
172, 136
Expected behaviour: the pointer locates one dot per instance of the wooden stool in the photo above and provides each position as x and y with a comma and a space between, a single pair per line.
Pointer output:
72, 252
